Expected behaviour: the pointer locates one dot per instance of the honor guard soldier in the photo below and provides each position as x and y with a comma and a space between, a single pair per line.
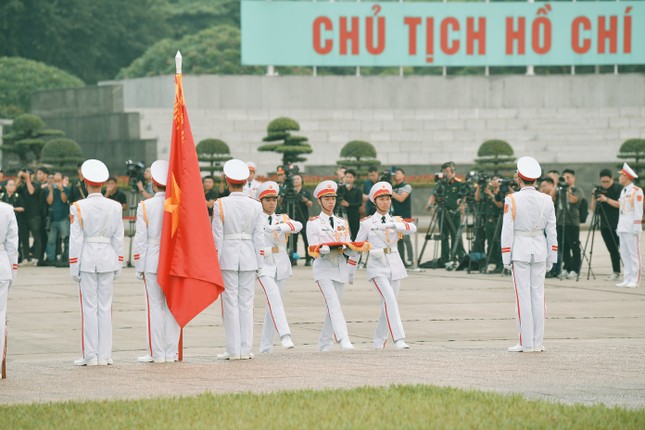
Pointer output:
252, 184
163, 331
276, 266
8, 269
238, 250
529, 250
629, 229
95, 261
385, 268
330, 266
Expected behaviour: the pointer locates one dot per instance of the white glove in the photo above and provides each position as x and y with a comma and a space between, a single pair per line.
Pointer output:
116, 274
351, 279
139, 275
76, 278
267, 252
324, 250
273, 227
549, 266
508, 267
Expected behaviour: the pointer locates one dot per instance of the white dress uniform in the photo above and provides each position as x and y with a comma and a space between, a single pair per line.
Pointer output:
385, 268
251, 187
8, 267
163, 332
330, 269
529, 246
238, 245
95, 260
629, 230
275, 270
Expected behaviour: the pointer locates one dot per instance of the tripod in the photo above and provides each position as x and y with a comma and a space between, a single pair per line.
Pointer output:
133, 202
495, 242
598, 214
438, 222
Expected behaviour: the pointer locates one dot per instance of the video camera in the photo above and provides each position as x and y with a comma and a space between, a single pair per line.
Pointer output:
562, 183
135, 172
288, 192
440, 182
598, 190
386, 176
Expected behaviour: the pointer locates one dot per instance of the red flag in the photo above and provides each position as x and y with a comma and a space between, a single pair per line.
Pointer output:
188, 272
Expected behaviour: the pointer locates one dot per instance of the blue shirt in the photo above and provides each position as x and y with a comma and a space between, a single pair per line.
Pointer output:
59, 210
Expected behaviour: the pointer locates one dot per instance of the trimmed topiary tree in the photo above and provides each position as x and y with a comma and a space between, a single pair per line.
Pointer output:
62, 155
27, 137
495, 156
291, 147
359, 156
633, 149
214, 153
20, 77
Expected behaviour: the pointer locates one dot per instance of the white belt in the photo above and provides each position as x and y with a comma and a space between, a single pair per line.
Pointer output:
388, 250
238, 236
153, 242
529, 233
97, 239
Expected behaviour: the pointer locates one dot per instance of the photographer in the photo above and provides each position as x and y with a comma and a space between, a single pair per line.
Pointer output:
447, 196
372, 178
491, 204
146, 189
112, 192
568, 198
304, 201
402, 206
351, 200
604, 203
210, 194
339, 210
33, 219
56, 196
78, 190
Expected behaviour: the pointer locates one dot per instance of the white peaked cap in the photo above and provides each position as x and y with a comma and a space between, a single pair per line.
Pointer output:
380, 189
528, 168
95, 172
159, 171
326, 188
251, 165
236, 171
268, 189
628, 171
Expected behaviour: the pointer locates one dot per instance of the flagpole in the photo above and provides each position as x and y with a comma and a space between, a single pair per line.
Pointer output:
180, 353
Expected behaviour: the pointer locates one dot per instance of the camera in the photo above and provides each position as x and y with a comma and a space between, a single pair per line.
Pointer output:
440, 182
562, 183
506, 185
598, 190
288, 192
135, 172
386, 176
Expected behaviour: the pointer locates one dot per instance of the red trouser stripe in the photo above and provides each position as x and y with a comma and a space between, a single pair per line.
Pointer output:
387, 317
80, 293
268, 304
145, 284
517, 300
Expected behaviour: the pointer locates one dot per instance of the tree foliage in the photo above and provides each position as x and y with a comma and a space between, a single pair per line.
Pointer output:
213, 153
212, 51
20, 77
495, 156
62, 154
291, 147
358, 155
633, 149
27, 137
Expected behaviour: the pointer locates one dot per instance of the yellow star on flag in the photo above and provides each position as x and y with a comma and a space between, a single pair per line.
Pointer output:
172, 204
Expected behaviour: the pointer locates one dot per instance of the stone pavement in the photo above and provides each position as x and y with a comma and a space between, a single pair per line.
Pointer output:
457, 324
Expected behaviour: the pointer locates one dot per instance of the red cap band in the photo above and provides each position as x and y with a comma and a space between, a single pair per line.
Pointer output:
93, 184
235, 181
626, 173
525, 178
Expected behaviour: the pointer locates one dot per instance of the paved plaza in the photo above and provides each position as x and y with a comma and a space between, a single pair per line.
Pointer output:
457, 324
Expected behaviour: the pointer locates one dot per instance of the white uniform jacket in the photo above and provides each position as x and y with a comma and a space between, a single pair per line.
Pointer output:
528, 214
148, 236
631, 210
332, 266
275, 259
238, 241
251, 188
8, 244
96, 235
384, 259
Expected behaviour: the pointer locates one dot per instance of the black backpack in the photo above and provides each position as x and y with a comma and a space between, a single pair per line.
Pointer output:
583, 208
